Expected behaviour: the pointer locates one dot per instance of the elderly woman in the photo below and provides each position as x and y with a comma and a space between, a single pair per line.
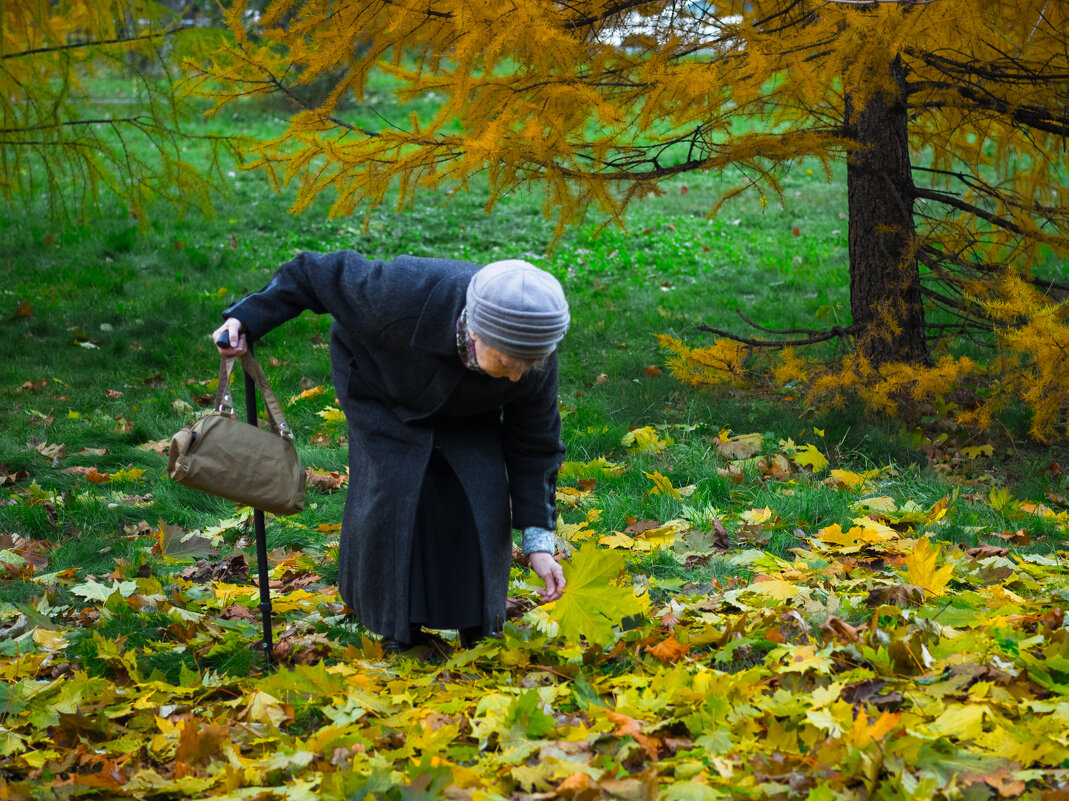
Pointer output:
447, 374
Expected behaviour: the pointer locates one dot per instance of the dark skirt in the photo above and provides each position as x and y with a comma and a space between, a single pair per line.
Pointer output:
446, 577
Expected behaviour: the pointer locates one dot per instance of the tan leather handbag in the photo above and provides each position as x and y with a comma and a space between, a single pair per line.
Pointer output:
226, 457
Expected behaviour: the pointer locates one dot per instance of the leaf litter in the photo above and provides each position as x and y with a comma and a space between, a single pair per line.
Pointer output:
876, 659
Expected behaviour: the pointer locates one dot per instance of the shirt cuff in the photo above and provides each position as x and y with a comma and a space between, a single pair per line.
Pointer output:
538, 539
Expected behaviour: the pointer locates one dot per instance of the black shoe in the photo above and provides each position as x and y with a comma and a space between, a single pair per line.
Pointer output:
416, 637
470, 637
391, 647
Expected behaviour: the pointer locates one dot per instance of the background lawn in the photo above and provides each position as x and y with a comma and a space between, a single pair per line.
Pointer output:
778, 553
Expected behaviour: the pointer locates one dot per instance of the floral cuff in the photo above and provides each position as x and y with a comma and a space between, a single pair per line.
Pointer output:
538, 539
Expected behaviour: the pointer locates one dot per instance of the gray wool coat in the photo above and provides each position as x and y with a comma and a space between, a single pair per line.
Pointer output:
405, 391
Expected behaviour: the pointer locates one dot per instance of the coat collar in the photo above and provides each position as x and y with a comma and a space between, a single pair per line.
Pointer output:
436, 328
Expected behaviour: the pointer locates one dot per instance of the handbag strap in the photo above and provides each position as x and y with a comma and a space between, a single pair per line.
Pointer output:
224, 401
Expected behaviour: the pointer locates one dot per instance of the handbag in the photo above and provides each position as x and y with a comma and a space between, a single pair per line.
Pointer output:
224, 456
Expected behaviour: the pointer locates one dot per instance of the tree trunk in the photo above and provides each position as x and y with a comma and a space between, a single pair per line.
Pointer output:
885, 296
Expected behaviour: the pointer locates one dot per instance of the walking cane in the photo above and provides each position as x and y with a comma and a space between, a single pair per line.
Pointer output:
261, 535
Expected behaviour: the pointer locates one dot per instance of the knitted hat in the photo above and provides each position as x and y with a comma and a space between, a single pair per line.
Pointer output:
517, 309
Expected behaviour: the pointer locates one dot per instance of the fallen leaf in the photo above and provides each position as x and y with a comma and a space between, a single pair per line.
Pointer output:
332, 415
53, 452
810, 456
742, 446
901, 595
175, 542
311, 392
127, 474
635, 527
921, 567
322, 481
661, 485
646, 440
669, 650
7, 478
160, 446
592, 604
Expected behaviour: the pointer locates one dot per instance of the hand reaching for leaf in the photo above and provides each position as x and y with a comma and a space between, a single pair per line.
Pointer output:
549, 570
231, 330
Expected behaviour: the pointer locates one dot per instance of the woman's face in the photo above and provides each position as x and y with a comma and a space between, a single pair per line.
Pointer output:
498, 364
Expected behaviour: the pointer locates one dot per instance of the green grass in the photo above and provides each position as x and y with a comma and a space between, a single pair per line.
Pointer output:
119, 307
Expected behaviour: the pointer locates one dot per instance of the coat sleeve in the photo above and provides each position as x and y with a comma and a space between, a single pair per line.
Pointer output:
343, 284
533, 451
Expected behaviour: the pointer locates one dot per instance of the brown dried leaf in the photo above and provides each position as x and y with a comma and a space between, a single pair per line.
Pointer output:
902, 595
234, 570
160, 446
743, 446
52, 452
732, 472
7, 477
986, 549
323, 481
836, 629
636, 527
669, 650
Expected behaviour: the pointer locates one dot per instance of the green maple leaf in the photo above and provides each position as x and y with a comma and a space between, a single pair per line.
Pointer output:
93, 590
591, 605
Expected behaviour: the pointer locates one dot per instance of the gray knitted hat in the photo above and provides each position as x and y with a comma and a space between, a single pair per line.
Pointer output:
517, 309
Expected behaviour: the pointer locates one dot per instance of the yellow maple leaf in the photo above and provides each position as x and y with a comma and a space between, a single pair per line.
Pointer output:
755, 517
308, 393
873, 531
127, 474
921, 568
662, 485
847, 541
617, 540
864, 732
332, 415
660, 537
853, 480
646, 440
809, 456
882, 503
592, 603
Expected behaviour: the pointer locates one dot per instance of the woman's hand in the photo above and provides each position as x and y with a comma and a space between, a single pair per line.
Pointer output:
233, 330
549, 570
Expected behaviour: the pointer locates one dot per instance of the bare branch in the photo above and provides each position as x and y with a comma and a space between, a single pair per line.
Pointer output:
824, 336
97, 43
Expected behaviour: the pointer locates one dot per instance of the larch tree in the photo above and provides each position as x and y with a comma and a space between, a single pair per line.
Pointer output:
949, 114
64, 138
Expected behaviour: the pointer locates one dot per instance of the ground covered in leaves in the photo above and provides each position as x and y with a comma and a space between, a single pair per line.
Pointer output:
876, 657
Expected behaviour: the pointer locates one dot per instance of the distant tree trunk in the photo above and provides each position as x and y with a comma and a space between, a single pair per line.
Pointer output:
885, 296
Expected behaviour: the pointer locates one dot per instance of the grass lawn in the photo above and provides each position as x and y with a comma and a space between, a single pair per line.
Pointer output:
782, 602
